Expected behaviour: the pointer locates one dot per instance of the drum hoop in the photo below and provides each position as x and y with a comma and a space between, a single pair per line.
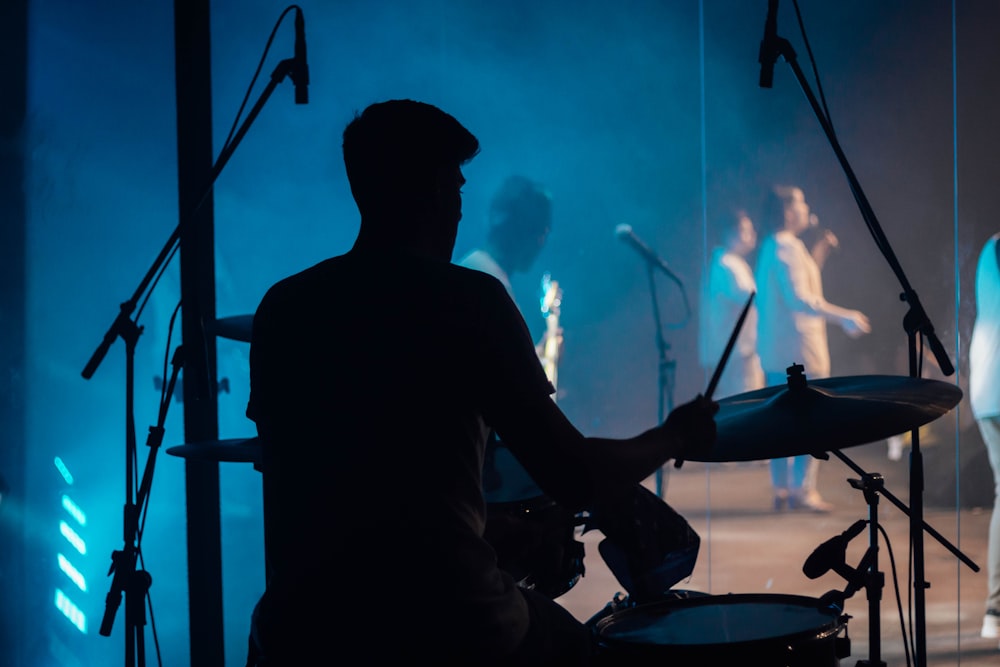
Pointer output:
661, 607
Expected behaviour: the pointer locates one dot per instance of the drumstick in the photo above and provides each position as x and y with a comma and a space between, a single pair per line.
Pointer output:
729, 348
725, 357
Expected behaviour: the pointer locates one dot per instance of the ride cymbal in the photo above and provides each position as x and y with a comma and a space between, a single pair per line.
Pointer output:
816, 416
238, 450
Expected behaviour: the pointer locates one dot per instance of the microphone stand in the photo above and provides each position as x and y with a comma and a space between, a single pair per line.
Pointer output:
126, 578
871, 484
123, 325
915, 321
665, 373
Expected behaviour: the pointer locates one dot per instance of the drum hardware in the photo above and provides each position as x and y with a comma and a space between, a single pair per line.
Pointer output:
831, 555
820, 417
533, 536
648, 546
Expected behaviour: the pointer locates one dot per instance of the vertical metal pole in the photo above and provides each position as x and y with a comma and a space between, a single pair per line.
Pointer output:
13, 387
194, 165
920, 585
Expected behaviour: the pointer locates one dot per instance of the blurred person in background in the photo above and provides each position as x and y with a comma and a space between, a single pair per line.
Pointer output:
984, 399
725, 291
534, 537
793, 314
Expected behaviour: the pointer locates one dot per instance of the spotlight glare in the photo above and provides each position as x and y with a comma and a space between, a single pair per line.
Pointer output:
74, 574
72, 537
74, 510
71, 611
63, 470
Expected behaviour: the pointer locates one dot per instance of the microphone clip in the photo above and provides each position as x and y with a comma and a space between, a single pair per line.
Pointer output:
856, 577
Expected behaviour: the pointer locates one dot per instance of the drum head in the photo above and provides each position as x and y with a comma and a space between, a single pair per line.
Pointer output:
747, 625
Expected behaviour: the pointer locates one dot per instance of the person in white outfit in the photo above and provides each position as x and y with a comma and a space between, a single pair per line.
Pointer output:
793, 314
984, 399
725, 290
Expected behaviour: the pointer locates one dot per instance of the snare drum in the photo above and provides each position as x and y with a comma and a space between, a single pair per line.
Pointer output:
752, 629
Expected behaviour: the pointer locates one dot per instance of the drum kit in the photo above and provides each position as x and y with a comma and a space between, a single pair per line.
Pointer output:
803, 417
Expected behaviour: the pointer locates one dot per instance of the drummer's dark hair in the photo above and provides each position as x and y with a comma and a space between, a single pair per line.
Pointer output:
392, 149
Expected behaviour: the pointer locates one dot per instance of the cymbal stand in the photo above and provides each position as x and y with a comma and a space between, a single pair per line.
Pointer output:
866, 574
874, 581
915, 321
872, 485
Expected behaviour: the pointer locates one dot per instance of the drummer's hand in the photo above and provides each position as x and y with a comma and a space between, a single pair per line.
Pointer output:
693, 426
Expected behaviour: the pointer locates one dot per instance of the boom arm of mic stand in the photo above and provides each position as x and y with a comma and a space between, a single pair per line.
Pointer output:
123, 325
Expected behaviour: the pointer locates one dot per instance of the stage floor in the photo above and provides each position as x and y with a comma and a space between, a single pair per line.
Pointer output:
749, 548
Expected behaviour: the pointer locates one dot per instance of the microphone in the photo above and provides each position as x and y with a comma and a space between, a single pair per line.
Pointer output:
625, 233
824, 234
768, 54
300, 67
831, 553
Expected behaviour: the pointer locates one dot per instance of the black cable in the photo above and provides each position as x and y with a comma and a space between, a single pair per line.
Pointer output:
225, 145
880, 240
256, 74
899, 602
812, 62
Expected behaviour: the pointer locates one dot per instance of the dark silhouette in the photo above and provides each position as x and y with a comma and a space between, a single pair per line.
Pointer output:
376, 377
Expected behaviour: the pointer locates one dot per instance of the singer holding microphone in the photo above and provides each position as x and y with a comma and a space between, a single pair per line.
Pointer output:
792, 318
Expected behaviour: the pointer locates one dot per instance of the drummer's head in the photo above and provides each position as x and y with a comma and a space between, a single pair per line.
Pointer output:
403, 160
786, 208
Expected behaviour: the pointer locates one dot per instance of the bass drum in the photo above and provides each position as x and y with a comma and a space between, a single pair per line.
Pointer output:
533, 536
752, 629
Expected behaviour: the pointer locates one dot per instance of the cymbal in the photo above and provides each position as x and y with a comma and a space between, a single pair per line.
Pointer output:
237, 327
238, 450
816, 416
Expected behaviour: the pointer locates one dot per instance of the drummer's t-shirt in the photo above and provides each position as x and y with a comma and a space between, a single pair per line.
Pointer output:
374, 384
